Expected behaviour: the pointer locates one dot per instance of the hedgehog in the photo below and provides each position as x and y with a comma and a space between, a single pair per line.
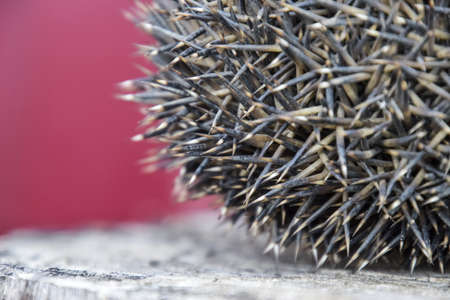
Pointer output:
323, 123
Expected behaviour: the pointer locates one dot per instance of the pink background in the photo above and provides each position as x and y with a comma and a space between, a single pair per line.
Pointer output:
65, 154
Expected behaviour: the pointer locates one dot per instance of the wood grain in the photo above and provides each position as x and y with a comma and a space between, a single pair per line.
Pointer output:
190, 258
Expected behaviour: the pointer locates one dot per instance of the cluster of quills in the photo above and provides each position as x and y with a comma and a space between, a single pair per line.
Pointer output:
323, 123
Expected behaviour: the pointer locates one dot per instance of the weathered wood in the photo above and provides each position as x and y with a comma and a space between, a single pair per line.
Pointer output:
190, 258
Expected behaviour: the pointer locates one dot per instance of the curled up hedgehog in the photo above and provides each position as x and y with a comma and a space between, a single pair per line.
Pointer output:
324, 123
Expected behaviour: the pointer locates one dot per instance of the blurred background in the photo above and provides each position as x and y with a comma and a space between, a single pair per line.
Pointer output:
66, 158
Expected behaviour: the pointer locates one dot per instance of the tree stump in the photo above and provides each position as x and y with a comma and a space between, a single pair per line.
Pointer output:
189, 258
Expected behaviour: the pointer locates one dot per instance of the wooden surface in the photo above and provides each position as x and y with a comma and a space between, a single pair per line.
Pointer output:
192, 258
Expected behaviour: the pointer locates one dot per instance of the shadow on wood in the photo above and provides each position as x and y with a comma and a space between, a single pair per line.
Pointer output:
191, 258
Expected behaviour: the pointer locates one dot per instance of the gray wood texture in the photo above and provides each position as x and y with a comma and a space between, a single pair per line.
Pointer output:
189, 258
